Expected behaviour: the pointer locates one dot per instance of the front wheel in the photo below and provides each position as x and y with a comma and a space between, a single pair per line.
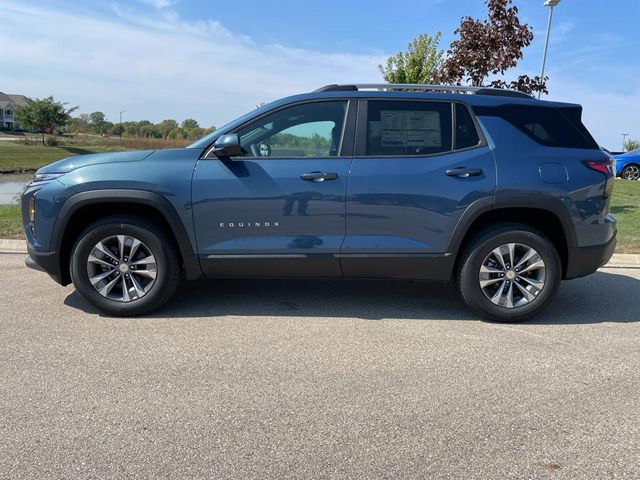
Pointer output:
509, 273
125, 265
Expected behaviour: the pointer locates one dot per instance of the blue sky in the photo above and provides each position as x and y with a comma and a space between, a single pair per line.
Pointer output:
215, 60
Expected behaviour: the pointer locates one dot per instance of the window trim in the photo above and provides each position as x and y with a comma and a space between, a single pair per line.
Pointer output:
347, 141
361, 127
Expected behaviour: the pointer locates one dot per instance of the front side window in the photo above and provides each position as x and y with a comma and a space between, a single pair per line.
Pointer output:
408, 128
305, 130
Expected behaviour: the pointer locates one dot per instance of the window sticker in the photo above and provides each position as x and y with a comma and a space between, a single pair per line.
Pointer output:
408, 128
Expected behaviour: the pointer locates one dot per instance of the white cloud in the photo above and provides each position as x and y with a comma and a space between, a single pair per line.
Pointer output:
157, 65
158, 3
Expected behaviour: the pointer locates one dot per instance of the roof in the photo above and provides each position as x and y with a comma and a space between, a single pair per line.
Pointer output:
11, 98
476, 99
19, 100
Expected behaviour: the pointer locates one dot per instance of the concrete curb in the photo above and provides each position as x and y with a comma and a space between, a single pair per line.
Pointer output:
624, 260
12, 246
629, 260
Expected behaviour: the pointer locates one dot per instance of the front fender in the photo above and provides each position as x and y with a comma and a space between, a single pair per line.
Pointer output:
133, 197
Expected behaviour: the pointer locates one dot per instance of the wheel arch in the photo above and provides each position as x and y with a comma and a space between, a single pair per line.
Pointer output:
84, 208
547, 214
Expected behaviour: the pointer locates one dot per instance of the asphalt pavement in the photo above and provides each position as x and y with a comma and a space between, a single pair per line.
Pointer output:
318, 379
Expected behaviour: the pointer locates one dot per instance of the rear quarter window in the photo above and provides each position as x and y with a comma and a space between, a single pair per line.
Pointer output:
549, 126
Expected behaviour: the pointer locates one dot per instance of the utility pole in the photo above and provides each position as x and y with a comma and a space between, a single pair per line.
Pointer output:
121, 123
624, 137
550, 4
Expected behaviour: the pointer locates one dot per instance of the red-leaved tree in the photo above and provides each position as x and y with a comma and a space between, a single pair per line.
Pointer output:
490, 47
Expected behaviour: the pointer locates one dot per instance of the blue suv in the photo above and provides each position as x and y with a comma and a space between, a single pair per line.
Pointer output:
491, 190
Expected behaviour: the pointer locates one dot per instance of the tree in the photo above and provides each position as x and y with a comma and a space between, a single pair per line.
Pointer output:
631, 144
79, 124
189, 124
98, 122
166, 126
490, 47
419, 64
44, 114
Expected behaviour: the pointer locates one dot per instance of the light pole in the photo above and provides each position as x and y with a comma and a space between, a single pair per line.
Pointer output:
624, 137
550, 4
121, 123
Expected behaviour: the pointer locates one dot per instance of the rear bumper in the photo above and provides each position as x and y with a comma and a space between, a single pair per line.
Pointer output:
45, 262
586, 260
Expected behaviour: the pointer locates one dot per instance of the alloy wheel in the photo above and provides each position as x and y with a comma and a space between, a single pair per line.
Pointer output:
631, 172
512, 275
122, 268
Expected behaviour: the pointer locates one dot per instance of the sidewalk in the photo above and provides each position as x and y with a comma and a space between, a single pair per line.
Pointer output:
627, 260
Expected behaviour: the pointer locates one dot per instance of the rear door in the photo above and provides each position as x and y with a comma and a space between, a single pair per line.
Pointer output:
417, 166
279, 208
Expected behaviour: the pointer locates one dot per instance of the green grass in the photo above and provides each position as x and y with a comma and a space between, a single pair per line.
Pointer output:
18, 157
10, 221
27, 155
625, 204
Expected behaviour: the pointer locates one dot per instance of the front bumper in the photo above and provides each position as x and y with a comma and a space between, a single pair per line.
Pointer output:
48, 262
583, 261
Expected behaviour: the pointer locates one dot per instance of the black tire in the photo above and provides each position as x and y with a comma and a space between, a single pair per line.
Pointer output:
154, 238
475, 253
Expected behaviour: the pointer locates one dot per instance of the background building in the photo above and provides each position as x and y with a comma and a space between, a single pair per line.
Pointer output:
8, 104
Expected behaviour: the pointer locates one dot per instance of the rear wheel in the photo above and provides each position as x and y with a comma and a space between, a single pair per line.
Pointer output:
631, 172
509, 273
125, 265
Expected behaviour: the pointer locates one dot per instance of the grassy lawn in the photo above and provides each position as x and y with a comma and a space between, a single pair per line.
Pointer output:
18, 156
625, 204
10, 221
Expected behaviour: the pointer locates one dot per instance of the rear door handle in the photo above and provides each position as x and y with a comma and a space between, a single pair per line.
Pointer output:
463, 172
319, 176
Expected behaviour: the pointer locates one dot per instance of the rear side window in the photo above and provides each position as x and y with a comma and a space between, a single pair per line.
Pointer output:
552, 127
466, 133
408, 128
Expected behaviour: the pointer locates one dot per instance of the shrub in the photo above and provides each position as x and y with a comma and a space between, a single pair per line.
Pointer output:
51, 141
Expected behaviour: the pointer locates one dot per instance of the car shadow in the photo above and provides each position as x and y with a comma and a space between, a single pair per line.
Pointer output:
623, 208
78, 150
601, 297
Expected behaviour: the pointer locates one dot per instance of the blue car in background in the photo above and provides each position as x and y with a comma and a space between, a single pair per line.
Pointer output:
628, 165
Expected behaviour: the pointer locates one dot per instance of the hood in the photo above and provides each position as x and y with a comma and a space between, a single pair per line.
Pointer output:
71, 163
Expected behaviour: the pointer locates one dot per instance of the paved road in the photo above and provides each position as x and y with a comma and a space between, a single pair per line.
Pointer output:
283, 379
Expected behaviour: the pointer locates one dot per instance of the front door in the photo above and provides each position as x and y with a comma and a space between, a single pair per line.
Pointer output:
417, 166
278, 209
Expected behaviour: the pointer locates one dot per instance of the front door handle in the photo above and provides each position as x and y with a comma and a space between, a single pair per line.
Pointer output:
463, 172
319, 176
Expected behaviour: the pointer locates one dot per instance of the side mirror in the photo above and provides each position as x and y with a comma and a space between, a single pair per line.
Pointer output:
227, 146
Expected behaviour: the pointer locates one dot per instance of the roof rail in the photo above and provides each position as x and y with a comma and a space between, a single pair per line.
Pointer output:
426, 87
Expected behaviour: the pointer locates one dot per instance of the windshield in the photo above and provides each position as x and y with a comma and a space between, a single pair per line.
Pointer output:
633, 152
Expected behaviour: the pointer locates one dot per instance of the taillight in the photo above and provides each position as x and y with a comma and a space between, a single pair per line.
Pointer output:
602, 166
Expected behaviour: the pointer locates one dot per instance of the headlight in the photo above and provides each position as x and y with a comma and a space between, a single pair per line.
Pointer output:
45, 177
